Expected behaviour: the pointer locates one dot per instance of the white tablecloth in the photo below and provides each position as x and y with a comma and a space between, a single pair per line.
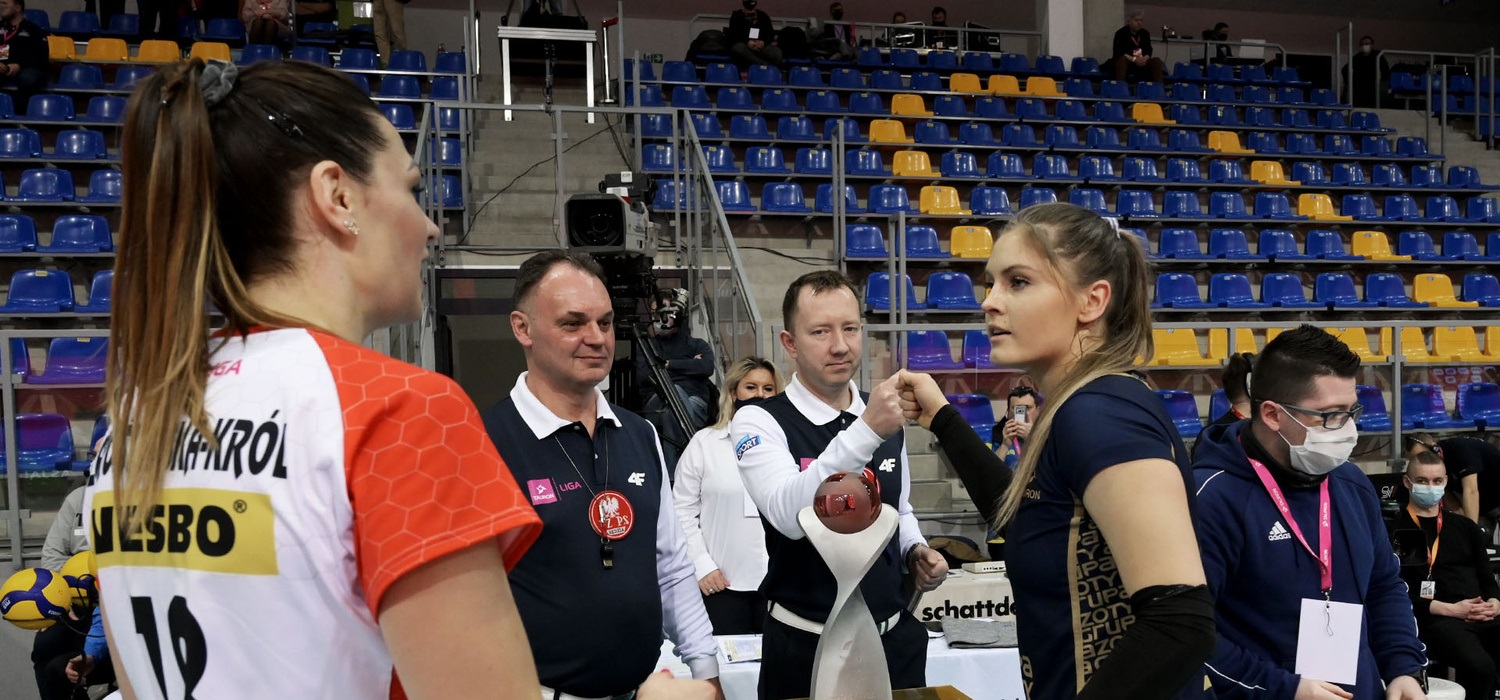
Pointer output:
982, 674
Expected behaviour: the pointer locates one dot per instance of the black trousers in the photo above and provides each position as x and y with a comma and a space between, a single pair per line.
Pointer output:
1470, 648
736, 612
786, 663
158, 19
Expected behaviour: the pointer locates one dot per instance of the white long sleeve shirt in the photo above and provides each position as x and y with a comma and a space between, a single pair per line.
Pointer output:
721, 523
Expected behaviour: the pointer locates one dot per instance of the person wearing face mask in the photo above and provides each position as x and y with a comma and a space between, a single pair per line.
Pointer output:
1453, 591
837, 39
752, 39
1365, 63
1294, 548
689, 361
721, 523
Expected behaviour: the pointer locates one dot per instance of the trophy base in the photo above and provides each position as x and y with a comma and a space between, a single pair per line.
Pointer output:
940, 692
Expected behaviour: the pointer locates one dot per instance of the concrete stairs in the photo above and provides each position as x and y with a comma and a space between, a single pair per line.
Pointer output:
1458, 144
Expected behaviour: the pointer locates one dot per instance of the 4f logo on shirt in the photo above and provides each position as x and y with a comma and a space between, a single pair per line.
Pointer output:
1278, 533
637, 478
888, 465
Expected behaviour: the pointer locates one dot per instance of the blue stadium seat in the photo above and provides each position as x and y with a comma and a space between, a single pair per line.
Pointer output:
1224, 115
450, 152
1231, 290
1296, 119
99, 296
406, 87
1114, 90
1483, 210
1062, 136
720, 160
1222, 93
977, 134
80, 76
1230, 244
1328, 245
1050, 65
1442, 208
1479, 403
1050, 167
929, 350
878, 295
1103, 138
1422, 407
784, 197
78, 24
976, 411
1001, 166
1461, 245
1181, 204
1466, 177
864, 241
1419, 245
1263, 117
1097, 169
79, 144
1090, 199
1154, 92
20, 143
847, 78
17, 233
350, 58
1265, 143
1375, 418
961, 164
922, 242
1179, 244
1031, 109
1366, 121
1072, 111
1387, 290
951, 291
1112, 112
1280, 245
795, 129
1187, 92
445, 88
1376, 146
1018, 136
1079, 87
38, 292
1412, 147
1182, 408
1228, 205
1306, 144
1291, 96
1014, 63
749, 126
450, 192
1336, 290
989, 201
729, 99
766, 160
887, 80
950, 106
889, 199
814, 161
1387, 175
45, 185
871, 56
683, 96
1085, 67
721, 73
933, 133
977, 62
79, 233
905, 58
1332, 119
1323, 97
1401, 207
1185, 141
763, 74
1309, 173
1283, 290
734, 195
656, 125
1037, 195
254, 53
49, 108
668, 198
783, 100
1190, 115
850, 129
1275, 205
1144, 140
1349, 175
805, 76
400, 115
706, 124
1184, 170
1334, 145
1483, 288
865, 162
867, 103
457, 63
39, 17
823, 201
976, 350
1135, 204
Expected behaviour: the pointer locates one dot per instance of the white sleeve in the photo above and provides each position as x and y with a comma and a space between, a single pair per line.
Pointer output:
684, 620
771, 474
909, 533
687, 496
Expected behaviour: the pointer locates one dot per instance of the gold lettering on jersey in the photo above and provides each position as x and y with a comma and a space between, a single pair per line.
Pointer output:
228, 532
1103, 609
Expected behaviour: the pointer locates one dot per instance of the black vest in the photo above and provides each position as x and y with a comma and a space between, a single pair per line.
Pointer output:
797, 577
593, 632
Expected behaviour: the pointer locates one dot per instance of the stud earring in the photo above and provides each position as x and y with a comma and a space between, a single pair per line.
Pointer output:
351, 226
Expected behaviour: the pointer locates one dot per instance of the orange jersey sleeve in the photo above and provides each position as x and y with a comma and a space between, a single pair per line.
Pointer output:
424, 479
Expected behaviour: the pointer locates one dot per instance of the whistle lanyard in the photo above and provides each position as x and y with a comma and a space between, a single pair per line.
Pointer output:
1324, 553
1437, 539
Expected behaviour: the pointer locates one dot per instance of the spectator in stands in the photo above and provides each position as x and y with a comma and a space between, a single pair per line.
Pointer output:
1232, 379
724, 535
1220, 32
24, 61
1473, 473
1366, 91
1015, 426
106, 9
837, 39
787, 446
315, 12
610, 575
941, 38
389, 17
1452, 589
690, 363
1285, 521
752, 39
158, 18
899, 36
1132, 59
268, 21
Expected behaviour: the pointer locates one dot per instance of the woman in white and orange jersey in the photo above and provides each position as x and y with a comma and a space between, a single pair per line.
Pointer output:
278, 511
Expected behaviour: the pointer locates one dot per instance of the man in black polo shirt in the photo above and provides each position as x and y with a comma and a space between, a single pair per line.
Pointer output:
787, 445
610, 572
1132, 51
23, 52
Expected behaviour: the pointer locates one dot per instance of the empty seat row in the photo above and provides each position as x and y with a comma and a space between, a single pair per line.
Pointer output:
922, 242
928, 351
1181, 347
109, 50
51, 292
71, 234
70, 144
946, 291
44, 444
1332, 290
1281, 245
789, 197
1423, 407
67, 361
55, 186
48, 107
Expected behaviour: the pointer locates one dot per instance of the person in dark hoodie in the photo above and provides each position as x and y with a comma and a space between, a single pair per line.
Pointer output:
689, 361
1232, 379
1282, 582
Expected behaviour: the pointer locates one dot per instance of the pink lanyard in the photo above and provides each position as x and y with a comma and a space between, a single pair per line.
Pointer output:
1324, 554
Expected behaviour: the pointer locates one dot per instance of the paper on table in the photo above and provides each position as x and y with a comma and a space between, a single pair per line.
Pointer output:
1328, 641
741, 648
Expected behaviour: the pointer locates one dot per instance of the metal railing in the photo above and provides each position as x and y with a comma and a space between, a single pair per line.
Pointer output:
1211, 44
909, 35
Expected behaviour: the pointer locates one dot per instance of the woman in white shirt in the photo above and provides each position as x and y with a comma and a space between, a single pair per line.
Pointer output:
724, 534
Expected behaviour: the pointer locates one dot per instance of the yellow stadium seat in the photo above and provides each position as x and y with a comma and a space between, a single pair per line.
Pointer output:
971, 242
1358, 340
965, 82
1176, 347
1270, 172
909, 105
61, 48
1414, 347
1148, 113
888, 131
158, 51
1492, 340
102, 49
941, 199
1218, 343
1226, 142
911, 164
1437, 290
1005, 85
1374, 246
1460, 344
1043, 87
1319, 207
1271, 334
210, 50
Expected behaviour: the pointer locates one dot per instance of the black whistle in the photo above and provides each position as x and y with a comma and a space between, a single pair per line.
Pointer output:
607, 553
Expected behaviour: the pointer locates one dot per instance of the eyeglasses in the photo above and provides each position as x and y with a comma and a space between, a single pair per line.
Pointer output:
1332, 420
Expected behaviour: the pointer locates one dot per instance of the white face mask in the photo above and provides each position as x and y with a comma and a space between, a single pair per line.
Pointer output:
1365, 48
1322, 451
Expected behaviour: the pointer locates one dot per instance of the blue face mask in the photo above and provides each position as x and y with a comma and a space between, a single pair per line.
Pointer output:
1426, 495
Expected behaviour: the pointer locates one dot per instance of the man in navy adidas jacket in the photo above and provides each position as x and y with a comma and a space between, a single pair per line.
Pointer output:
1297, 444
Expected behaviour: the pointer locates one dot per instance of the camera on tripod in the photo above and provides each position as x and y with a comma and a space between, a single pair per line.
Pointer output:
614, 221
